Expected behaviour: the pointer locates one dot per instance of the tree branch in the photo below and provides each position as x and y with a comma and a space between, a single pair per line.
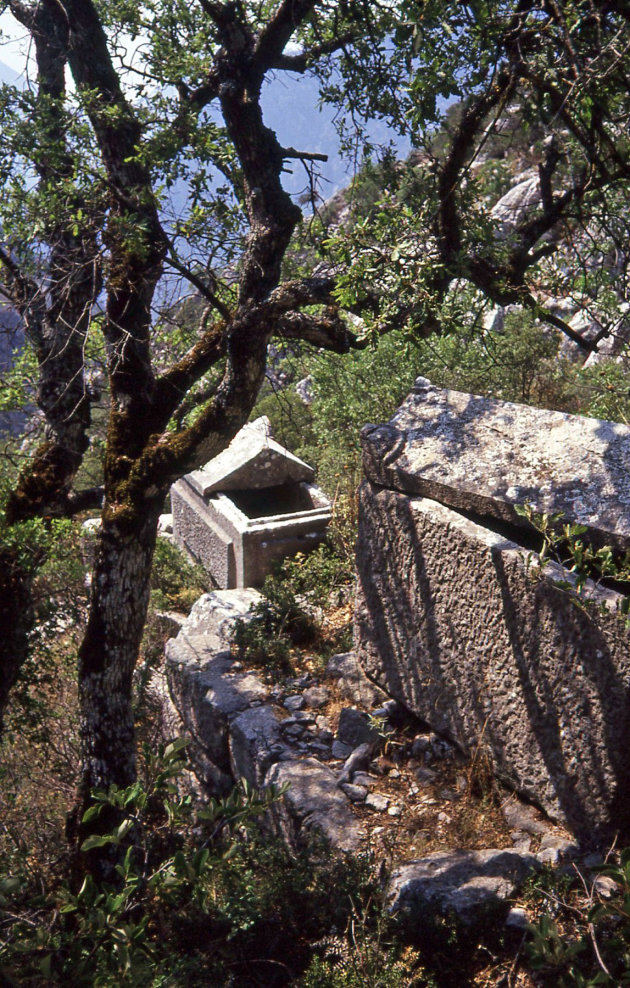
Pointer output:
304, 155
328, 332
302, 61
296, 294
200, 285
172, 386
274, 38
27, 287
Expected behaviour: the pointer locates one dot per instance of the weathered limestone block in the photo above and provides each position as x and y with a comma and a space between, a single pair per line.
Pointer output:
485, 456
253, 460
206, 683
255, 744
249, 507
454, 622
215, 614
352, 681
313, 802
468, 883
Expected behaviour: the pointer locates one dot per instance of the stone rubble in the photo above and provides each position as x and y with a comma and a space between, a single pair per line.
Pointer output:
279, 734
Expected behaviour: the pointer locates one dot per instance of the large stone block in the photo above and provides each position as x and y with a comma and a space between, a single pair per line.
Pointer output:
474, 885
486, 456
252, 461
460, 625
207, 685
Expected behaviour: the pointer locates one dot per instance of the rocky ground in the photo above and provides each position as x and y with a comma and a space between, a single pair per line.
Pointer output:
359, 770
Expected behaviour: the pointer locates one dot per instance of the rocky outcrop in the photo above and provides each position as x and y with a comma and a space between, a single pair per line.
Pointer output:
348, 785
240, 730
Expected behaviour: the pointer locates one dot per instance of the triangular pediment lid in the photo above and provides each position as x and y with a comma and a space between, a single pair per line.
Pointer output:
252, 460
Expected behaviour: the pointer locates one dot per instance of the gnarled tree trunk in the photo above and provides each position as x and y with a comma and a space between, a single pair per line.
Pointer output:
109, 651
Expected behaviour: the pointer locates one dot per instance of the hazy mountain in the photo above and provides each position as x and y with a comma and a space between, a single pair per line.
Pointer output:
290, 107
7, 74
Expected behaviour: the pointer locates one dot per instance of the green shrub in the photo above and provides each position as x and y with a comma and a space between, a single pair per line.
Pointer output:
293, 612
176, 583
585, 940
114, 932
198, 896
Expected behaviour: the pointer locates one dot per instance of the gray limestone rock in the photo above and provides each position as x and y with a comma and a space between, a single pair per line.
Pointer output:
425, 775
487, 456
359, 761
206, 685
355, 729
256, 743
215, 614
340, 749
294, 703
517, 918
376, 801
521, 200
461, 626
313, 802
353, 683
316, 697
522, 817
468, 883
554, 849
356, 794
252, 460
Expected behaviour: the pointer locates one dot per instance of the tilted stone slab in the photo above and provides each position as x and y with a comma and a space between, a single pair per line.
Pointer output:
485, 456
453, 622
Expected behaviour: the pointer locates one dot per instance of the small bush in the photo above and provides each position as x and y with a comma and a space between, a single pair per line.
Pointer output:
583, 940
176, 583
294, 609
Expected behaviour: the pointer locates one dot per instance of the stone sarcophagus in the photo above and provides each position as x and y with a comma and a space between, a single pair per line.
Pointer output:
456, 618
250, 506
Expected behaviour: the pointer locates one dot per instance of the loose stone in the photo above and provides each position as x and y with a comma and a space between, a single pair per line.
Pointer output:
295, 702
356, 794
316, 697
340, 750
375, 801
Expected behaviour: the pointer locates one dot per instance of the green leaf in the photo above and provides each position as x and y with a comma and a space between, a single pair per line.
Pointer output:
92, 812
98, 841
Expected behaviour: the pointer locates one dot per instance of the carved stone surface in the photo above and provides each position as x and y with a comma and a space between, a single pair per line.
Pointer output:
456, 623
247, 508
486, 456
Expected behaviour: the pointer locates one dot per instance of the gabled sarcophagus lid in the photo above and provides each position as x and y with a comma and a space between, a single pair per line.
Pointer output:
252, 460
